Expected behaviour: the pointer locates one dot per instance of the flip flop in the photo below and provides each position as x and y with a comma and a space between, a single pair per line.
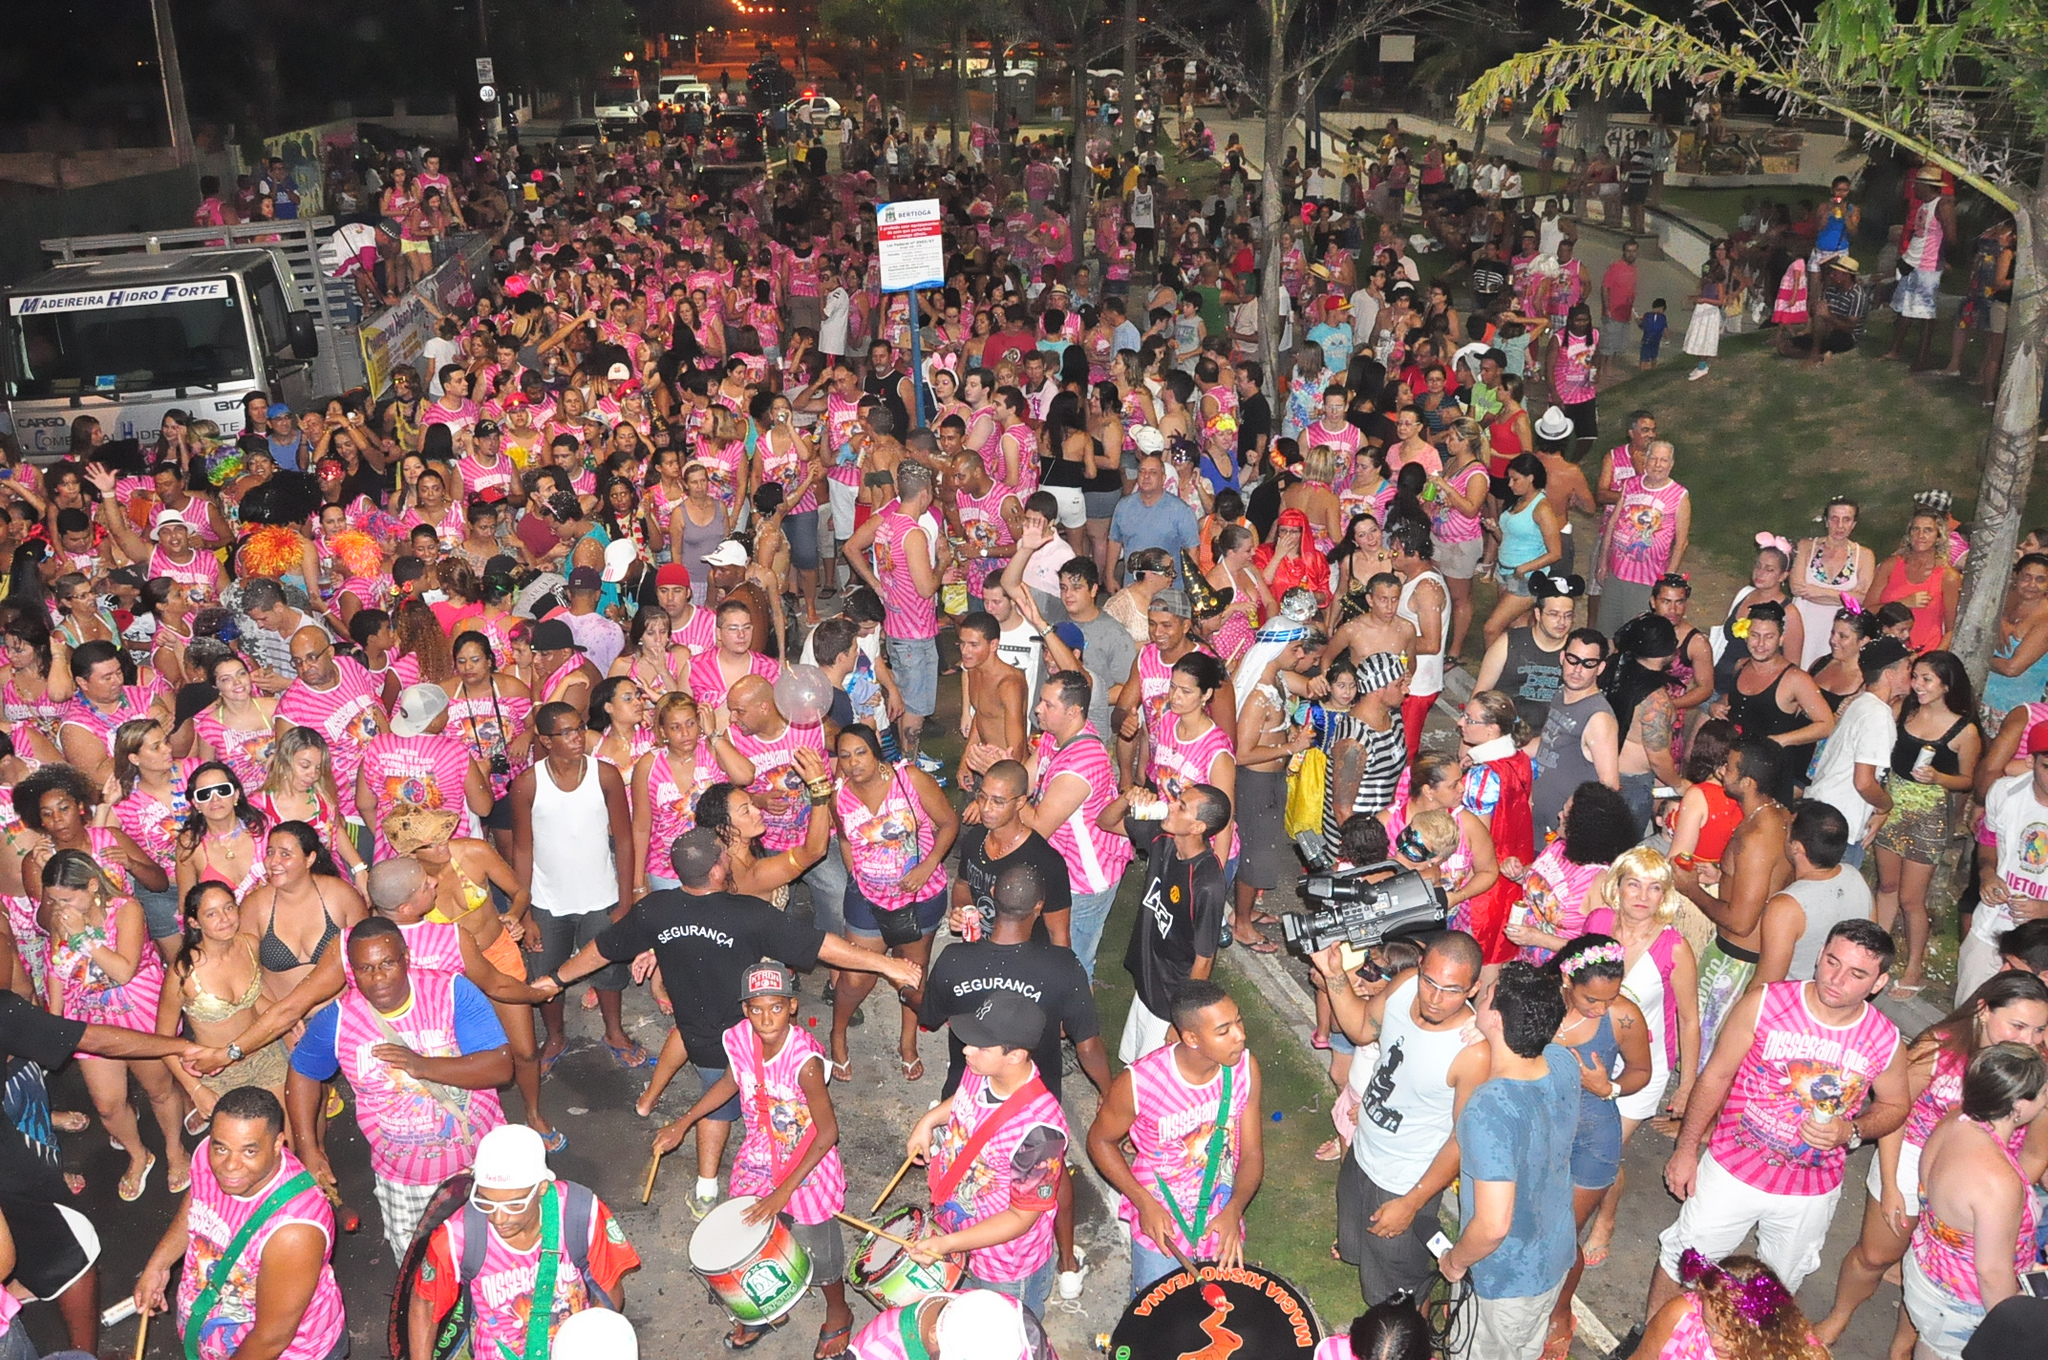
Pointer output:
912, 1063
335, 1104
630, 1057
1259, 944
190, 1115
1319, 1042
825, 1338
554, 1140
547, 1065
742, 1336
178, 1187
1597, 1256
140, 1183
1330, 1151
70, 1121
839, 1071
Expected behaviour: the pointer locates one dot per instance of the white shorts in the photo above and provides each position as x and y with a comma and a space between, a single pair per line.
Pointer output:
844, 499
1909, 1177
1643, 1104
1459, 561
1790, 1229
1143, 1032
1945, 1325
1073, 505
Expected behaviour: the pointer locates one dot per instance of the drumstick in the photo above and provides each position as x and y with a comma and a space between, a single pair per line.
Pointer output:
647, 1190
1182, 1257
142, 1334
895, 1181
868, 1227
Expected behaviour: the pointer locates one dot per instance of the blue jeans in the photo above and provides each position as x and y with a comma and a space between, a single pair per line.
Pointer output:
1853, 856
160, 912
1148, 1265
916, 664
1033, 1290
828, 881
1091, 913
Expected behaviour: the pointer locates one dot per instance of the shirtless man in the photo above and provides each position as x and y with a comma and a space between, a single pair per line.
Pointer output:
1647, 755
880, 453
1753, 869
1380, 628
993, 700
1264, 746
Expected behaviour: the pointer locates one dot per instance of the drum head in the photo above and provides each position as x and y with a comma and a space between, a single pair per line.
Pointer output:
722, 1241
1248, 1312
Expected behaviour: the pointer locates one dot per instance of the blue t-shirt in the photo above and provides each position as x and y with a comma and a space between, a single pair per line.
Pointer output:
1336, 343
476, 1031
286, 454
1170, 524
1521, 1131
1653, 324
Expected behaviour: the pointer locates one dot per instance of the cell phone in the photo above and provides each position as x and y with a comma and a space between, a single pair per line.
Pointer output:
1438, 1245
2035, 1284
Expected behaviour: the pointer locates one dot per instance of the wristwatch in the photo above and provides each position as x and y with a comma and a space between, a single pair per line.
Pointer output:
554, 975
1855, 1136
234, 1052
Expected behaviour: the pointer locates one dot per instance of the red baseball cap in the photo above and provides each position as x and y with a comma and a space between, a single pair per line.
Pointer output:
2037, 738
676, 574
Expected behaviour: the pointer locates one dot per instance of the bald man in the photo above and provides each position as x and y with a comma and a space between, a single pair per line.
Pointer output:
338, 698
761, 734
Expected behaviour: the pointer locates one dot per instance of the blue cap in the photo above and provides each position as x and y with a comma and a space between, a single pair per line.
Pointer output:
1071, 634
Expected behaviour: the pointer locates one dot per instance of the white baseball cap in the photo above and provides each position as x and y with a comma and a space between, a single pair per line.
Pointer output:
418, 706
595, 1334
510, 1157
730, 553
619, 556
981, 1325
617, 373
1148, 439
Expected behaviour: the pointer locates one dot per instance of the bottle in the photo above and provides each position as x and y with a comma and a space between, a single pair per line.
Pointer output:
1925, 760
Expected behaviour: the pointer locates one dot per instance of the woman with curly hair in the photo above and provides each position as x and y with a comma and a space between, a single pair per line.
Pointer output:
1598, 827
422, 653
35, 682
54, 803
1737, 1310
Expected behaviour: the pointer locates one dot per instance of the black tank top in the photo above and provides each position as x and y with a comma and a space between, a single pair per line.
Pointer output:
1906, 750
888, 389
1758, 715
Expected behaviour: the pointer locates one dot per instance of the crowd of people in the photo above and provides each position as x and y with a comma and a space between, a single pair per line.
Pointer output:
618, 644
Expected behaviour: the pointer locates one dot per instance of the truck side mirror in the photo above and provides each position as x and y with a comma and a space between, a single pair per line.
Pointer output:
305, 339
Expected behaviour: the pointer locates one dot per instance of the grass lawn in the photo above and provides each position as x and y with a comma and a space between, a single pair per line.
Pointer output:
1763, 442
1723, 206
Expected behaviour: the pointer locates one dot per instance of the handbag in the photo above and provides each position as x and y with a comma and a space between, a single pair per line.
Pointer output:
1307, 784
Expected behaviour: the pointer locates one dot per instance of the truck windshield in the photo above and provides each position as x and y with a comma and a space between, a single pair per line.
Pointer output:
62, 345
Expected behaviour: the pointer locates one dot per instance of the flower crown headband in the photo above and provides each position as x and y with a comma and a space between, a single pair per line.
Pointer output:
1757, 1300
1599, 953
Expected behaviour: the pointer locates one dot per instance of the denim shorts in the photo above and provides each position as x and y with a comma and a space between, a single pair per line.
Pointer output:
728, 1112
861, 920
916, 663
160, 911
801, 531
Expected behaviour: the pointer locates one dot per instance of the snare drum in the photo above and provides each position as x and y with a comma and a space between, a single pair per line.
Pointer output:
759, 1271
887, 1275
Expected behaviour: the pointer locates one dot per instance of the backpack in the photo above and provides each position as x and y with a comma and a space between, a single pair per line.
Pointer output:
452, 1332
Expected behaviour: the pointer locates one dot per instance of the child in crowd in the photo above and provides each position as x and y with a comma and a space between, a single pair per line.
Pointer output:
1653, 324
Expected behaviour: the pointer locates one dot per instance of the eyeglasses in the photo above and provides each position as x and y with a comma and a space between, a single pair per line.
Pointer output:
301, 662
213, 791
503, 1206
1585, 662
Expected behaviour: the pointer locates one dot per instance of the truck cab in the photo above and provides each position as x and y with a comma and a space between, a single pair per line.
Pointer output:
125, 338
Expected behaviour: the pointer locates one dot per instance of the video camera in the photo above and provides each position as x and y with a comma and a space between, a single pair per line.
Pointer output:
1356, 911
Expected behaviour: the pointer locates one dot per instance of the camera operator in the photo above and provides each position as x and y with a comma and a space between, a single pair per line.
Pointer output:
1403, 1153
1180, 915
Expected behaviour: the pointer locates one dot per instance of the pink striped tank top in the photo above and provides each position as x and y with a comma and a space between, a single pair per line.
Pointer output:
93, 996
778, 1124
708, 685
486, 726
1178, 762
982, 516
775, 773
215, 1218
1643, 530
989, 1187
247, 753
1943, 1092
414, 1140
1097, 857
909, 614
1172, 1132
1797, 1067
886, 842
787, 466
672, 808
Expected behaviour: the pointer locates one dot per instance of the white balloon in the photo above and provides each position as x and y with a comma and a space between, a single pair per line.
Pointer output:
803, 694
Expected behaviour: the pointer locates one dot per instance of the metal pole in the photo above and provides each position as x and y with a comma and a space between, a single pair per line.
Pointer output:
916, 368
179, 116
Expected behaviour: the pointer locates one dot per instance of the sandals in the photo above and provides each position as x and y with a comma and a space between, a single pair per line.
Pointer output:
1331, 1150
70, 1121
192, 1114
843, 1335
631, 1057
132, 1186
742, 1336
839, 1071
913, 1068
179, 1187
1559, 1347
1597, 1256
1319, 1042
554, 1140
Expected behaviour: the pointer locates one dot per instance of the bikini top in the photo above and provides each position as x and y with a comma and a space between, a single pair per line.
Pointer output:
207, 1008
473, 895
276, 956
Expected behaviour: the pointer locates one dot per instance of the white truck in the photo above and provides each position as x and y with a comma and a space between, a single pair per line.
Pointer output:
125, 328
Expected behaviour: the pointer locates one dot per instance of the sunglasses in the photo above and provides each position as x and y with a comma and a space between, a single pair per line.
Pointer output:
1370, 971
1585, 662
213, 791
504, 1206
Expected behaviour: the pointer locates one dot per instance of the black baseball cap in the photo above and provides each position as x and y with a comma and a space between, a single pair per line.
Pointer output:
552, 635
586, 578
1003, 1020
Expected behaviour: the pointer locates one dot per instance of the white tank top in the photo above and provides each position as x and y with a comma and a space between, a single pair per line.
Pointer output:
1404, 1115
573, 870
1429, 669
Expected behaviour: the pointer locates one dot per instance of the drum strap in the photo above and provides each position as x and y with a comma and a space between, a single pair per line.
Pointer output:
203, 1305
913, 1335
763, 1108
942, 1184
542, 1309
1210, 1158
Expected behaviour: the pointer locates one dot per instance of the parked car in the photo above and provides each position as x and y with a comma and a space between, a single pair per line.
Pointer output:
579, 134
818, 110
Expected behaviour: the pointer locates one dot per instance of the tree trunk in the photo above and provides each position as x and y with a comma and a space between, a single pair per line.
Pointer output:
2009, 463
959, 86
997, 51
1079, 181
1127, 134
1590, 134
1269, 194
